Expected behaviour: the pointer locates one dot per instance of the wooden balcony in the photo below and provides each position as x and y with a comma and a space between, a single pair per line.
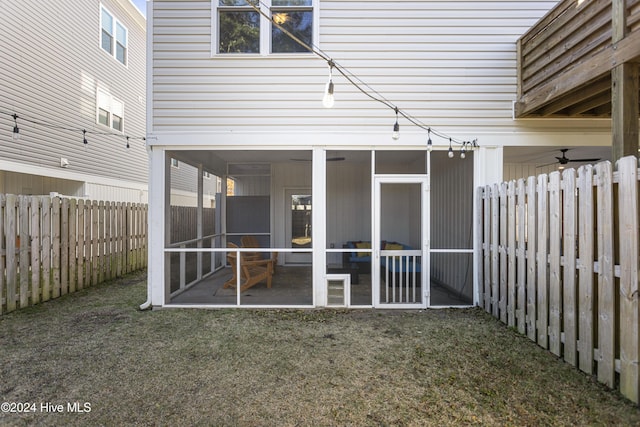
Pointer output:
565, 61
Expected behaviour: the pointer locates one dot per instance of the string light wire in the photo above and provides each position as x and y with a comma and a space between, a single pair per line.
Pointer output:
48, 125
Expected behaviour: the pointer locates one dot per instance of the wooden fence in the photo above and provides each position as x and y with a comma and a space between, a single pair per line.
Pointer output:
51, 246
559, 262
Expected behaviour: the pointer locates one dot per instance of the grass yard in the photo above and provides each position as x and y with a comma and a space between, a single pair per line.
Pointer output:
282, 367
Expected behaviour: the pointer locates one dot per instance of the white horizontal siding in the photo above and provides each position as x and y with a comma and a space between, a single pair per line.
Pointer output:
451, 64
51, 65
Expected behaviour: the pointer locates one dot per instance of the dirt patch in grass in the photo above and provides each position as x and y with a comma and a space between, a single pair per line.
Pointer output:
284, 367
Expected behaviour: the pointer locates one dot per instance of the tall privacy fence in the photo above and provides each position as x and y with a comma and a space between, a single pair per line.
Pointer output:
559, 262
51, 246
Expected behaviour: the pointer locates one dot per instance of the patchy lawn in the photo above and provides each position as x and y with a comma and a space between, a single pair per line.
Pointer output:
282, 367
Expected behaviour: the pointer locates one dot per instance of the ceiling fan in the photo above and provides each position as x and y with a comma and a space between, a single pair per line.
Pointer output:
564, 159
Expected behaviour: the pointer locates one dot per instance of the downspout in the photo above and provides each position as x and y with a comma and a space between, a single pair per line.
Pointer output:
149, 88
147, 304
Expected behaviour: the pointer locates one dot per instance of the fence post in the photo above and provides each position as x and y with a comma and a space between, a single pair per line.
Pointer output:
629, 316
555, 294
486, 239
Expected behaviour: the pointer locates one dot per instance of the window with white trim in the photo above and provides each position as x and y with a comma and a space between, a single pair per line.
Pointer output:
240, 29
110, 111
113, 36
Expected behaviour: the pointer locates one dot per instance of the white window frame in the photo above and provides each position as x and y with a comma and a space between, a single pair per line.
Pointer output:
114, 39
265, 33
113, 106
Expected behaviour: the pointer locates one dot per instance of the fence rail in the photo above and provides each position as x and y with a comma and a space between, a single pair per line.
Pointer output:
558, 260
51, 246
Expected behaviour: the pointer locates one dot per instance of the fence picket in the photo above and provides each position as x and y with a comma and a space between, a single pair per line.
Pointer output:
64, 246
486, 247
511, 254
606, 284
24, 203
495, 233
72, 244
108, 218
80, 245
555, 296
503, 253
46, 248
532, 287
94, 243
100, 240
10, 235
585, 273
55, 247
88, 260
35, 250
542, 288
521, 283
3, 298
569, 301
629, 316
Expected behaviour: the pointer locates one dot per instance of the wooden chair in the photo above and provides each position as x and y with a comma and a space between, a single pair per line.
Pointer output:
252, 272
252, 242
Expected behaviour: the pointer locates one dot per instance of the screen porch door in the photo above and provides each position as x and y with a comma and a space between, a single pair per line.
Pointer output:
400, 245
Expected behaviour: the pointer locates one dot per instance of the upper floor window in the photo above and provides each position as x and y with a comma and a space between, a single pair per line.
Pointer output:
241, 29
113, 36
110, 111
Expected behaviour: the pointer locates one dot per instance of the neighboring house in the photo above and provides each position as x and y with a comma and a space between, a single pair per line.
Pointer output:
67, 67
330, 190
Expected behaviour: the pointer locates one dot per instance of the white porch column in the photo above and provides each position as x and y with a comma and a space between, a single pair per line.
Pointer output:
157, 285
319, 226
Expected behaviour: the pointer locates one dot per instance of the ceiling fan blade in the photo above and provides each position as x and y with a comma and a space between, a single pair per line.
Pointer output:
584, 160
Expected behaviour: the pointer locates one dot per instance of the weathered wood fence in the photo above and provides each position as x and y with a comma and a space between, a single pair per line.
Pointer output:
559, 262
51, 246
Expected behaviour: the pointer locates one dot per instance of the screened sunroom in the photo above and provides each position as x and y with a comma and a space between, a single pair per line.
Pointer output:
314, 228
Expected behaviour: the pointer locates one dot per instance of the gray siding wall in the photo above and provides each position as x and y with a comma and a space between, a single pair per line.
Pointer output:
51, 64
450, 63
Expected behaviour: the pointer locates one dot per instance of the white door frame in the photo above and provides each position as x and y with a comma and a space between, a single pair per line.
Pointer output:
424, 247
295, 257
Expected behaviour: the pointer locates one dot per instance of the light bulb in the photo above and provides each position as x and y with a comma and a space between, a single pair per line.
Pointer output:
396, 131
16, 129
429, 143
462, 155
328, 100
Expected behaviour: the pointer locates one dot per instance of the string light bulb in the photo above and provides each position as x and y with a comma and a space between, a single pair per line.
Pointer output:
396, 127
463, 150
84, 138
16, 129
450, 154
429, 143
328, 100
127, 142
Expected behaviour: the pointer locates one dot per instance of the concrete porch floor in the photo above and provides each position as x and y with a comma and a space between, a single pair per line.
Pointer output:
291, 285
